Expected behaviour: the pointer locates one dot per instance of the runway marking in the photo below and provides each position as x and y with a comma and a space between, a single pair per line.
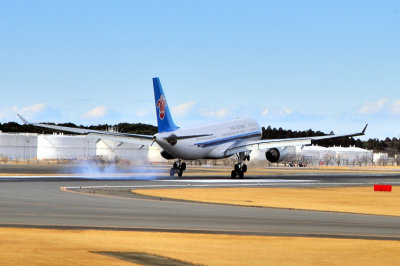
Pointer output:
226, 183
222, 184
238, 181
96, 177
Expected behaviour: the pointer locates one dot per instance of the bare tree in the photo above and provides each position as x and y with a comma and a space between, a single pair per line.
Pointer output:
382, 161
397, 159
363, 159
355, 160
299, 158
338, 159
327, 159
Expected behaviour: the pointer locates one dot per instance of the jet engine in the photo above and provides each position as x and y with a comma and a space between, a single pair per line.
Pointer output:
276, 155
166, 155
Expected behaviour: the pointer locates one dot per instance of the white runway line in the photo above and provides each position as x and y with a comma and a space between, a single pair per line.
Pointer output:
266, 183
222, 183
39, 176
96, 177
236, 181
141, 186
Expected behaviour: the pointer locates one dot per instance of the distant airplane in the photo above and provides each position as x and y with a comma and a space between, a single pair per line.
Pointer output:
212, 141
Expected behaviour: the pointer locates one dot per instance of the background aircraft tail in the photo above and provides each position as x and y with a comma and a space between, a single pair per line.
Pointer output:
164, 118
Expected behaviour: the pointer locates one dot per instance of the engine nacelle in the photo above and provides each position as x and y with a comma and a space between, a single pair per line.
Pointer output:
276, 155
166, 155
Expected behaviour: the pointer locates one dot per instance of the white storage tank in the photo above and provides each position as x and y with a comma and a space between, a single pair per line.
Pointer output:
381, 158
64, 147
18, 146
112, 150
154, 154
351, 155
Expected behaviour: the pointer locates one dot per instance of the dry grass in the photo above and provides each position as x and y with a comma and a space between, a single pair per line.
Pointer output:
349, 199
73, 247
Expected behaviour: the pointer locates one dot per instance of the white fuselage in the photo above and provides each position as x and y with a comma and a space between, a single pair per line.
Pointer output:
222, 135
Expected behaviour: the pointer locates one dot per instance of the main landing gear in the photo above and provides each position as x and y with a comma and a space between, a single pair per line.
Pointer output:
240, 168
178, 168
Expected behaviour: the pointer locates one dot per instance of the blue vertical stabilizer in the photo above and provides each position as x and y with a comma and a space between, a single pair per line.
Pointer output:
164, 118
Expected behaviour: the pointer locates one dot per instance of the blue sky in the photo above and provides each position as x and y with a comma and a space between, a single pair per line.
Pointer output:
325, 65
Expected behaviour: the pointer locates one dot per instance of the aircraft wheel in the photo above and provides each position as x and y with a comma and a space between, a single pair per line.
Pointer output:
241, 174
244, 168
172, 172
183, 166
233, 174
175, 165
237, 167
180, 172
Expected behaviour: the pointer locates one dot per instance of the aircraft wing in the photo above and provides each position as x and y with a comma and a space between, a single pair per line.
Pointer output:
145, 140
265, 144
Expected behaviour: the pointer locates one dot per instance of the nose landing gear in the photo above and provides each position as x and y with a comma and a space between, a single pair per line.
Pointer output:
178, 168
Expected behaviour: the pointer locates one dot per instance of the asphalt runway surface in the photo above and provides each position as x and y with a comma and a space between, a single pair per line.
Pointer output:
40, 202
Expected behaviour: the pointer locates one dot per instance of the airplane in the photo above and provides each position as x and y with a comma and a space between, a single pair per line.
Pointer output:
211, 141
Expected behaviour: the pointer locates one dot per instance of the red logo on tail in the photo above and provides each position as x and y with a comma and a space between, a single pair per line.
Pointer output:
161, 104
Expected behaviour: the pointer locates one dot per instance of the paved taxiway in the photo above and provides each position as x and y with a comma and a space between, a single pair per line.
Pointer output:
38, 202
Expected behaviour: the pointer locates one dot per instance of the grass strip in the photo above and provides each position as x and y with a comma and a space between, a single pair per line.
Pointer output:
361, 200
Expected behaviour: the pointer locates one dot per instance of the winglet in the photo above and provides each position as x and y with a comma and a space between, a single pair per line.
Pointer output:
365, 128
23, 119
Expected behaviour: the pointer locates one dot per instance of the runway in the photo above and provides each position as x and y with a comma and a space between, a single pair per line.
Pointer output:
40, 202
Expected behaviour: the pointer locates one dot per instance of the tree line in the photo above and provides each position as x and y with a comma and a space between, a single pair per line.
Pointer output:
136, 128
391, 146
